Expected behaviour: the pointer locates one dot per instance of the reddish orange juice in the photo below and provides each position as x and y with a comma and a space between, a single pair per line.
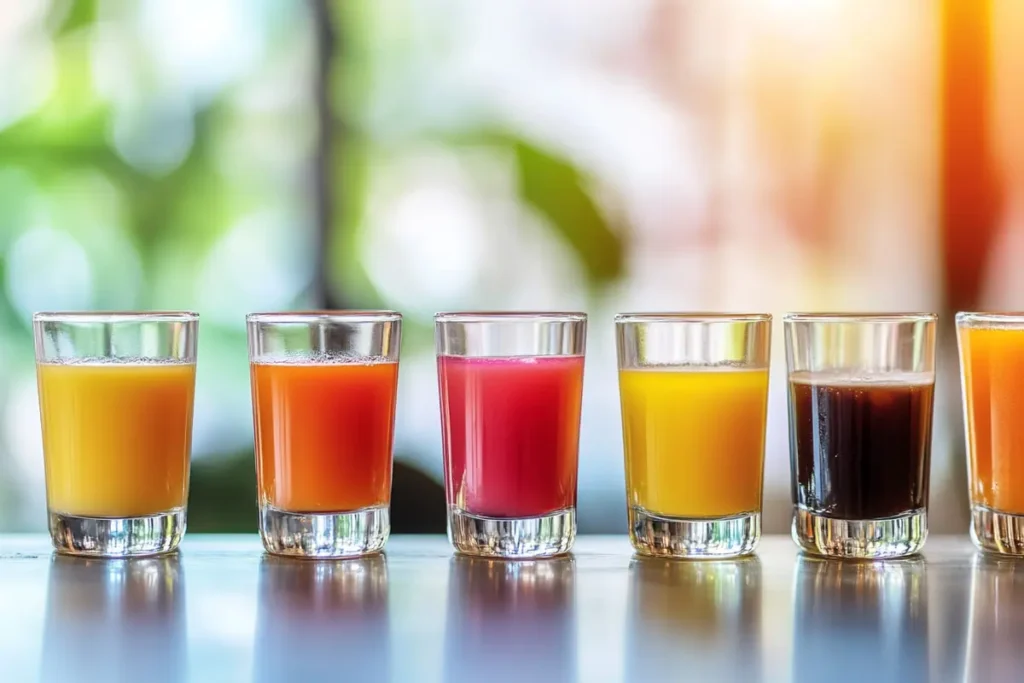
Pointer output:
324, 433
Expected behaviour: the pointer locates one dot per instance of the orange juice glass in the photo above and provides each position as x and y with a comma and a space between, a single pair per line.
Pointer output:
115, 400
694, 391
992, 374
323, 392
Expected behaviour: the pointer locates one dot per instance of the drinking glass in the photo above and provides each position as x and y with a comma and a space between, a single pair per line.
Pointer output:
323, 393
115, 401
860, 426
694, 391
991, 371
511, 385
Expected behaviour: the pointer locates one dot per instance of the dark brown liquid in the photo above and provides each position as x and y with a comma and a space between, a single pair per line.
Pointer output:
860, 450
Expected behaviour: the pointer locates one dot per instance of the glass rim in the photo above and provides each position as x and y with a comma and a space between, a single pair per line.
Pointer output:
860, 317
115, 316
691, 317
967, 318
509, 316
303, 317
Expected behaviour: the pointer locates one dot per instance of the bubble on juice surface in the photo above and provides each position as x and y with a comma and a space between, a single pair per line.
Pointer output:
722, 366
306, 358
863, 379
116, 360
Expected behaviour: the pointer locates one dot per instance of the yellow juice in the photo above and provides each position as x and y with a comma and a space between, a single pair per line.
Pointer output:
694, 439
116, 436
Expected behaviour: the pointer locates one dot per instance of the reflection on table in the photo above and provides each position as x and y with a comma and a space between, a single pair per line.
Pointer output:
511, 621
322, 620
694, 620
860, 620
995, 646
115, 620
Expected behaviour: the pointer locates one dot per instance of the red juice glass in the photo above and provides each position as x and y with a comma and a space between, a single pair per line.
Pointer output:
511, 386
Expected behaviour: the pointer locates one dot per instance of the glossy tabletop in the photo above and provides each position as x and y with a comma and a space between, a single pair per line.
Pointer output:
222, 611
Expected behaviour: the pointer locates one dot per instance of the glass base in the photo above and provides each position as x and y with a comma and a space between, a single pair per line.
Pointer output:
658, 536
117, 537
512, 538
866, 538
325, 535
997, 532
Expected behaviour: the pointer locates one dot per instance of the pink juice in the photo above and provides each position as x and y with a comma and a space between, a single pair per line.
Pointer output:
511, 430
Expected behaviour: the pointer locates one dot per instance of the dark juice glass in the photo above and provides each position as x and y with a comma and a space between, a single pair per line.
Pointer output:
861, 448
511, 387
860, 426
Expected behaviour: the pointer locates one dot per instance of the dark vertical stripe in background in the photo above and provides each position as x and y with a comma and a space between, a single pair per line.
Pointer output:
970, 187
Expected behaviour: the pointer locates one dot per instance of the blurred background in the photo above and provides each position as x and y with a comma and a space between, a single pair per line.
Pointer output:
228, 156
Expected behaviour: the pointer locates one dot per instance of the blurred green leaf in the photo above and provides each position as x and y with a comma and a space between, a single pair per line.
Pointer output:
556, 189
80, 13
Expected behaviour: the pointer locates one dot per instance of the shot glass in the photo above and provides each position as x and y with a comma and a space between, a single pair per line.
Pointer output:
511, 385
694, 391
991, 369
115, 401
323, 395
860, 425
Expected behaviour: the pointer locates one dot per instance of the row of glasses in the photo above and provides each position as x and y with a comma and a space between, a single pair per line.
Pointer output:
116, 399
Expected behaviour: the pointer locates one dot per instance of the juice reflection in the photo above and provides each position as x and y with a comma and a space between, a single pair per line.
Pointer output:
323, 620
511, 621
115, 620
701, 618
994, 650
860, 620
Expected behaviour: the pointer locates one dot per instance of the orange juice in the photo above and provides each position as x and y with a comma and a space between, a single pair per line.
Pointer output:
993, 382
694, 439
323, 434
116, 436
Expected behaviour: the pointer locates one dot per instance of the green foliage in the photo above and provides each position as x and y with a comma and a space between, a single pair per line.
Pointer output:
555, 188
222, 494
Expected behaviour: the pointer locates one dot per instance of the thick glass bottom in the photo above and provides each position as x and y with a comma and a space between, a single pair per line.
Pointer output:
997, 532
513, 538
863, 538
324, 535
658, 536
117, 537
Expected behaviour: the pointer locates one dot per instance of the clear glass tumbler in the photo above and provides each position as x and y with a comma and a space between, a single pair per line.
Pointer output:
992, 377
860, 423
511, 387
694, 391
116, 394
323, 393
